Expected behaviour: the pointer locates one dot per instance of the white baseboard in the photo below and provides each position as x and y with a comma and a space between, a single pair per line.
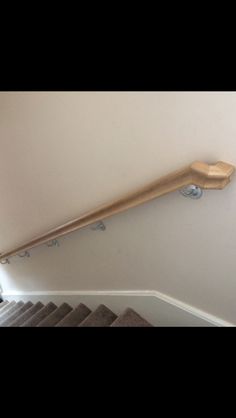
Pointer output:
156, 307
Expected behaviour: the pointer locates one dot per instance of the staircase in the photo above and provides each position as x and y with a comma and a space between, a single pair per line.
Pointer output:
20, 314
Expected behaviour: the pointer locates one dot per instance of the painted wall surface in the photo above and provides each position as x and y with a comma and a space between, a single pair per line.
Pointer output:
65, 153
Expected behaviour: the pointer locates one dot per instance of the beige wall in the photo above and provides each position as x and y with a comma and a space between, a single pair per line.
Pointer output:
65, 153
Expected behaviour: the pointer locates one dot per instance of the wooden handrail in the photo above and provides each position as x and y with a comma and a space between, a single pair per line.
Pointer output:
206, 176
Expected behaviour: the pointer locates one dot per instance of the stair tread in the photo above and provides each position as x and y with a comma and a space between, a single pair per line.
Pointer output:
130, 318
75, 317
101, 317
14, 308
20, 314
26, 315
2, 304
40, 315
56, 316
17, 313
7, 307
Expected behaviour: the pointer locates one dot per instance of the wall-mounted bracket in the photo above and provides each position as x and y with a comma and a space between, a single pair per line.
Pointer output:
99, 226
53, 243
24, 254
5, 261
192, 191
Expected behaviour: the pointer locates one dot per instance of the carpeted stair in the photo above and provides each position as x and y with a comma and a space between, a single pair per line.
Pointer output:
20, 314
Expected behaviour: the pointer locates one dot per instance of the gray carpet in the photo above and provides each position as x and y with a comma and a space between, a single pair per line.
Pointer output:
56, 316
10, 312
130, 318
40, 315
75, 317
17, 313
2, 304
101, 317
7, 307
28, 314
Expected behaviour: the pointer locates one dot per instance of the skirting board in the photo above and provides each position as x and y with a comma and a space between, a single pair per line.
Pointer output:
161, 310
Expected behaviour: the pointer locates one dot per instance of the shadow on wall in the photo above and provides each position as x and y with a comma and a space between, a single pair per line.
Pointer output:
87, 259
75, 263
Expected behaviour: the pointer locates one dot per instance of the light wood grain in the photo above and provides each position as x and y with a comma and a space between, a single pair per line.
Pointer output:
206, 176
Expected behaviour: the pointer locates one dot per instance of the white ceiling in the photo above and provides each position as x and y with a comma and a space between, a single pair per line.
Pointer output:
65, 153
